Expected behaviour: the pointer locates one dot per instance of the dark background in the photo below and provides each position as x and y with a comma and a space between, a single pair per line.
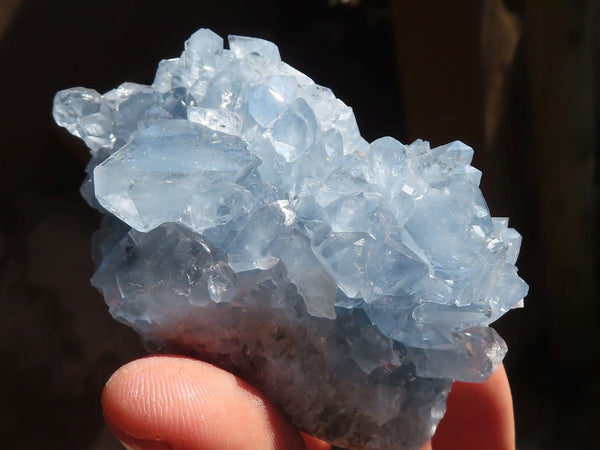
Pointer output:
514, 79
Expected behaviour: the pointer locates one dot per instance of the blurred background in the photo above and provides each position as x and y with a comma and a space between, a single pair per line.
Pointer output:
515, 79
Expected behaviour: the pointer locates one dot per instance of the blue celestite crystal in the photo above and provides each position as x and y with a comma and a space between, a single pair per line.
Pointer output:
249, 224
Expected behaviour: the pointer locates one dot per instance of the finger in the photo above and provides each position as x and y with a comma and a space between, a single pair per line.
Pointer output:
427, 446
479, 415
180, 403
313, 443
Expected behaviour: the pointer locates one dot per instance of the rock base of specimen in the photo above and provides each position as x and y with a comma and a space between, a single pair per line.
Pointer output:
249, 224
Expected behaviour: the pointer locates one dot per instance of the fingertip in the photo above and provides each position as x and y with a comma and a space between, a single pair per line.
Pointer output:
185, 403
314, 443
478, 415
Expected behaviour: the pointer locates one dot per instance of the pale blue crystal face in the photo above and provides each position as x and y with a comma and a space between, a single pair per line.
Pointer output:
176, 171
254, 221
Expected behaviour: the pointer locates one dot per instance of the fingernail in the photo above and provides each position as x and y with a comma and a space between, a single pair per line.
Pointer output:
132, 443
137, 444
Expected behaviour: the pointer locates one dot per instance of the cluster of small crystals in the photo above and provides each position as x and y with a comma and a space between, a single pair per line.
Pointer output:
235, 158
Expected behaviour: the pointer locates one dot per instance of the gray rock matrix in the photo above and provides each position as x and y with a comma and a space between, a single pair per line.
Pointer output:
249, 224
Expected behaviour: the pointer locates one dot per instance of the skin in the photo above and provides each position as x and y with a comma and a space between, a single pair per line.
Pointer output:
171, 402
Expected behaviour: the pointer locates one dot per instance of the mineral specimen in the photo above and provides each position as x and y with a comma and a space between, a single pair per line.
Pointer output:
248, 223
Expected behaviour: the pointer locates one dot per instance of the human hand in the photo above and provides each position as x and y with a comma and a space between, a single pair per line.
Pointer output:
172, 402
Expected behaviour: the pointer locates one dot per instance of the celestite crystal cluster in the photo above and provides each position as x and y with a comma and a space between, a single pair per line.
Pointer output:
248, 223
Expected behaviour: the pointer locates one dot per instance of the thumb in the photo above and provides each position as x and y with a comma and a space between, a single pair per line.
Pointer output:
163, 402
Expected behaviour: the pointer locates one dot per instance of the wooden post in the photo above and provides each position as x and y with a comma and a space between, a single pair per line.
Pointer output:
559, 34
440, 64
